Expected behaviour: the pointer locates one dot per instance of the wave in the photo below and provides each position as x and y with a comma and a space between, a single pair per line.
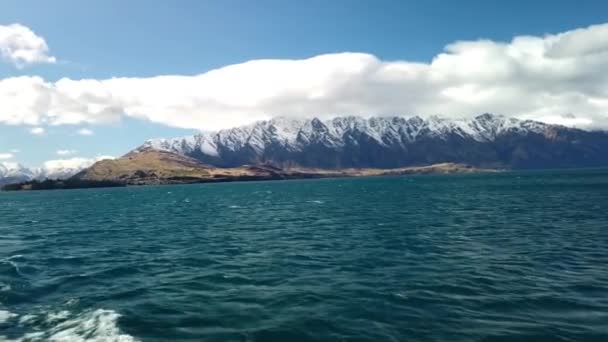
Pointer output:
93, 325
14, 266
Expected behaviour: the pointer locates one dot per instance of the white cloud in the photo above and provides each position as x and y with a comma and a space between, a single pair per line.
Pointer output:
54, 166
543, 78
84, 131
566, 120
37, 130
64, 168
5, 156
20, 46
66, 152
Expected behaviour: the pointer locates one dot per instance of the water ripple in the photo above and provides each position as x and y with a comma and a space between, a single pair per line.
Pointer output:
505, 257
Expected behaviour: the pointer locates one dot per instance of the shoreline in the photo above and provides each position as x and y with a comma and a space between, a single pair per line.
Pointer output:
296, 174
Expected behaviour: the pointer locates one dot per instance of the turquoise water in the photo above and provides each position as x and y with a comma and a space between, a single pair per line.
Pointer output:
498, 257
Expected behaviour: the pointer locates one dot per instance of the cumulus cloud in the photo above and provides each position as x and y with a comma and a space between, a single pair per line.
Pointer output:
37, 130
20, 46
76, 163
5, 156
560, 78
66, 152
84, 131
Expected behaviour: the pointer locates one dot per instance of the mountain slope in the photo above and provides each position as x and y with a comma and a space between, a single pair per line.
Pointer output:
162, 167
391, 142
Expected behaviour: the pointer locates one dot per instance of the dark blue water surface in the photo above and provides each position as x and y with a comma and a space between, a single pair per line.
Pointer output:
489, 257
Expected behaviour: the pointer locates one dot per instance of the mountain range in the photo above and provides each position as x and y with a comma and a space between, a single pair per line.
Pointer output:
350, 142
11, 172
487, 140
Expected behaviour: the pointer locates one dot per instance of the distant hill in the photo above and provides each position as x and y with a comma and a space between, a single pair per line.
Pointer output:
162, 167
390, 142
152, 167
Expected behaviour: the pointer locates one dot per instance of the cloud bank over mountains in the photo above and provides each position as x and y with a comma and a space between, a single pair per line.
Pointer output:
557, 78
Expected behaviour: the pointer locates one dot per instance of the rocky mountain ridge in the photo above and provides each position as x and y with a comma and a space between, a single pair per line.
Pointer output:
487, 140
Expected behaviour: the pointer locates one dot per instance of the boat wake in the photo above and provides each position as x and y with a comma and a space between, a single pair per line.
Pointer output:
95, 325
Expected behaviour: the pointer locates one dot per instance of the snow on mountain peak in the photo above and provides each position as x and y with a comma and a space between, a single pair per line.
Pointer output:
52, 169
294, 134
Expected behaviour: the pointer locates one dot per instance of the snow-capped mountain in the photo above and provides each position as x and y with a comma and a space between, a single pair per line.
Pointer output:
11, 172
385, 142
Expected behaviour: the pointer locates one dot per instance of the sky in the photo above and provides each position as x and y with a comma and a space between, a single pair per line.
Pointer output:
82, 80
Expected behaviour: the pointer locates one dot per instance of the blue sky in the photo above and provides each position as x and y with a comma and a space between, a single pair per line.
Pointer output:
139, 39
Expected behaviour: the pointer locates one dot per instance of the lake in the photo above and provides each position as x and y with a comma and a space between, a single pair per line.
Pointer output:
515, 256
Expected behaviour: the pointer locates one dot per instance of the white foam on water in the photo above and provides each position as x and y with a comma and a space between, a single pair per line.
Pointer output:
52, 317
316, 202
95, 326
6, 315
99, 325
26, 319
72, 301
234, 206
